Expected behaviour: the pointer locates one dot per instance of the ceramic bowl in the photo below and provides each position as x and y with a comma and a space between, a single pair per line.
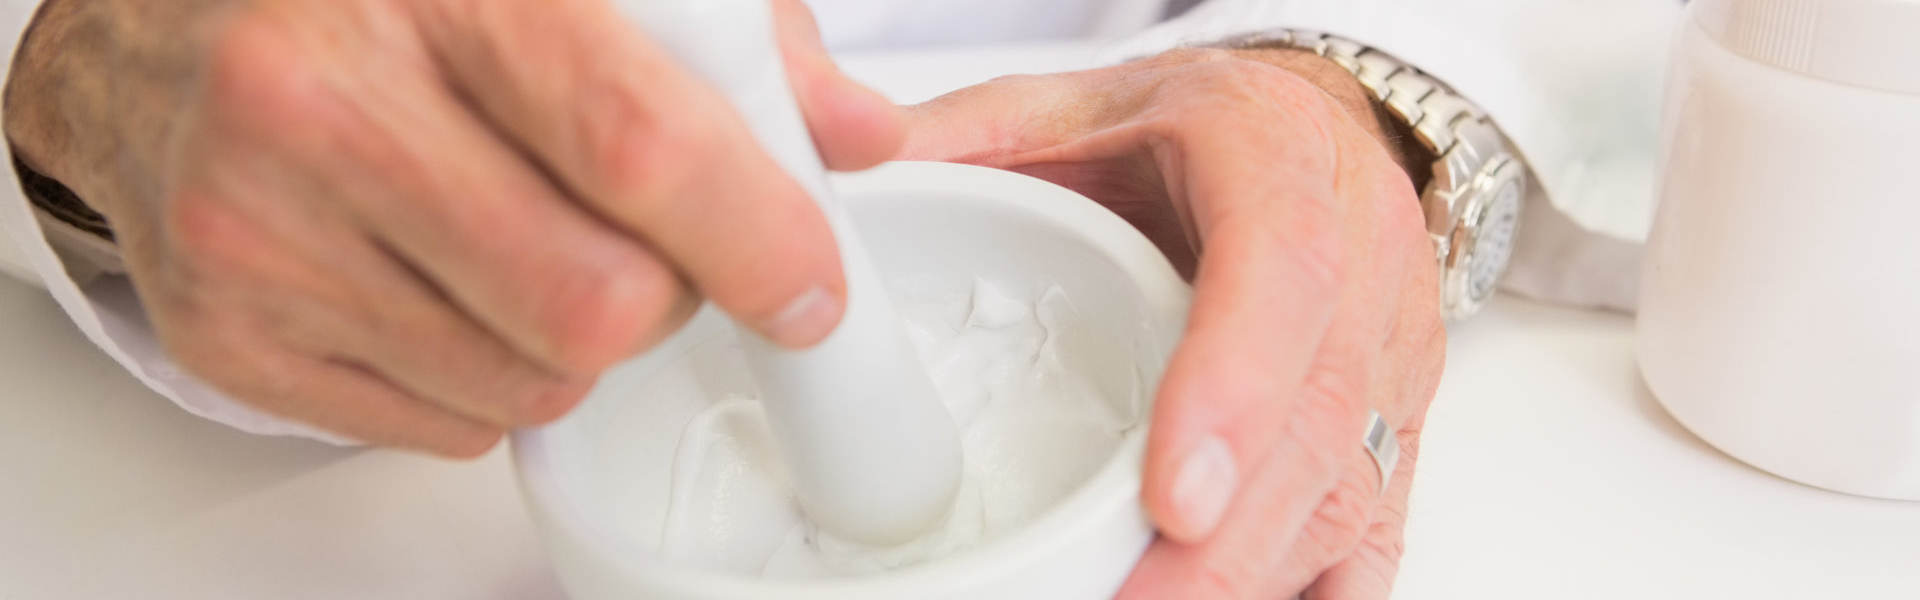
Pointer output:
603, 530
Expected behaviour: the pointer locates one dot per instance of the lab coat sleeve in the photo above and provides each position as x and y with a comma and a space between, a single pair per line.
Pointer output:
14, 15
1562, 79
105, 309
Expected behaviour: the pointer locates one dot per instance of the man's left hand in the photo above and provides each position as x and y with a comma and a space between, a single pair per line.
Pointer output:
1316, 300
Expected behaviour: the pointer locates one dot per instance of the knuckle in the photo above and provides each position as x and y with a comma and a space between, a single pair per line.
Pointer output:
1335, 386
1322, 452
1323, 542
258, 76
1333, 406
1392, 549
1231, 576
207, 239
595, 318
643, 149
1348, 510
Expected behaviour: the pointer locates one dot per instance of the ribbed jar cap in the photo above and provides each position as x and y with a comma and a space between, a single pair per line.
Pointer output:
1868, 43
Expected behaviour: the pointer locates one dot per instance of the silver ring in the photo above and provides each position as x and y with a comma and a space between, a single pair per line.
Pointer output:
1383, 445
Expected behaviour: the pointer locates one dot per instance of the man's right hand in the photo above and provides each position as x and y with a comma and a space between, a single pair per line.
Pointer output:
419, 223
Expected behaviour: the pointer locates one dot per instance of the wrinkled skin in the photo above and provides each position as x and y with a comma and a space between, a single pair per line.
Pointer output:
419, 223
1315, 300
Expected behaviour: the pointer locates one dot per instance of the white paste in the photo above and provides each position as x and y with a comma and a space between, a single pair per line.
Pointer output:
1032, 430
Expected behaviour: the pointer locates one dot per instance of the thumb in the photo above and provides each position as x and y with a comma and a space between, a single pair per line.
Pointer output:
853, 126
991, 123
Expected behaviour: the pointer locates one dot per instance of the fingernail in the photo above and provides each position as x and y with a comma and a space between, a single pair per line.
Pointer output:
806, 320
1204, 487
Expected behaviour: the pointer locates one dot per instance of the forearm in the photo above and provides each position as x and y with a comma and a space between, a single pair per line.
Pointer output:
86, 79
54, 87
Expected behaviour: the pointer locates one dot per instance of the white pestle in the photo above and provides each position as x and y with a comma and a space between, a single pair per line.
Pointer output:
873, 455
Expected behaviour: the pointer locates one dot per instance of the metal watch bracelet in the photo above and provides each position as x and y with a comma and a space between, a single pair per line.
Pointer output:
1473, 159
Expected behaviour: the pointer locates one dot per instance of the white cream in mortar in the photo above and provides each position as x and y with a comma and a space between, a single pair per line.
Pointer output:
1033, 428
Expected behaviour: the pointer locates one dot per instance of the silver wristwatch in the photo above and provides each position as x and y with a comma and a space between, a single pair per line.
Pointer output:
1472, 203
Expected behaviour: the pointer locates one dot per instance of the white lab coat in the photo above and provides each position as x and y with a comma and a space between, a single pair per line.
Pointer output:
1573, 82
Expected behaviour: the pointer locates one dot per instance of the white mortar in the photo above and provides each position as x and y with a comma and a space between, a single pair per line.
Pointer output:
596, 481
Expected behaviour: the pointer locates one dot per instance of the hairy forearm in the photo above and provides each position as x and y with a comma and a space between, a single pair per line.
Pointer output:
90, 85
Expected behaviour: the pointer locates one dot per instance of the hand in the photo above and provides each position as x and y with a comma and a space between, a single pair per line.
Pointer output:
1316, 299
420, 222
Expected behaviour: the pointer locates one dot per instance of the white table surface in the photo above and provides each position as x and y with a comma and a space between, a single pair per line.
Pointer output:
1547, 472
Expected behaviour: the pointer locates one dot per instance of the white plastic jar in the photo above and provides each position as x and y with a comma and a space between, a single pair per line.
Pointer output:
1780, 307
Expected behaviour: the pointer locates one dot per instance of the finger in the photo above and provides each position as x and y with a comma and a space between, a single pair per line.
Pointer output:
1300, 469
853, 126
349, 400
1369, 573
324, 392
991, 123
1238, 407
1336, 529
417, 168
425, 346
1416, 356
1412, 358
317, 282
564, 288
1020, 124
1344, 516
1258, 373
1246, 559
1351, 547
1406, 372
652, 151
400, 328
1279, 501
1271, 264
1242, 560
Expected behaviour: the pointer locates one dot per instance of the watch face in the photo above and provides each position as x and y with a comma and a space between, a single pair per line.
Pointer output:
1493, 241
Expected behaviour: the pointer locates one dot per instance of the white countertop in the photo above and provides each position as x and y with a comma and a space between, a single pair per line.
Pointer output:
1547, 471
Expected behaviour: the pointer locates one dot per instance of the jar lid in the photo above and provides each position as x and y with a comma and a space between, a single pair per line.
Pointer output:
1868, 43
